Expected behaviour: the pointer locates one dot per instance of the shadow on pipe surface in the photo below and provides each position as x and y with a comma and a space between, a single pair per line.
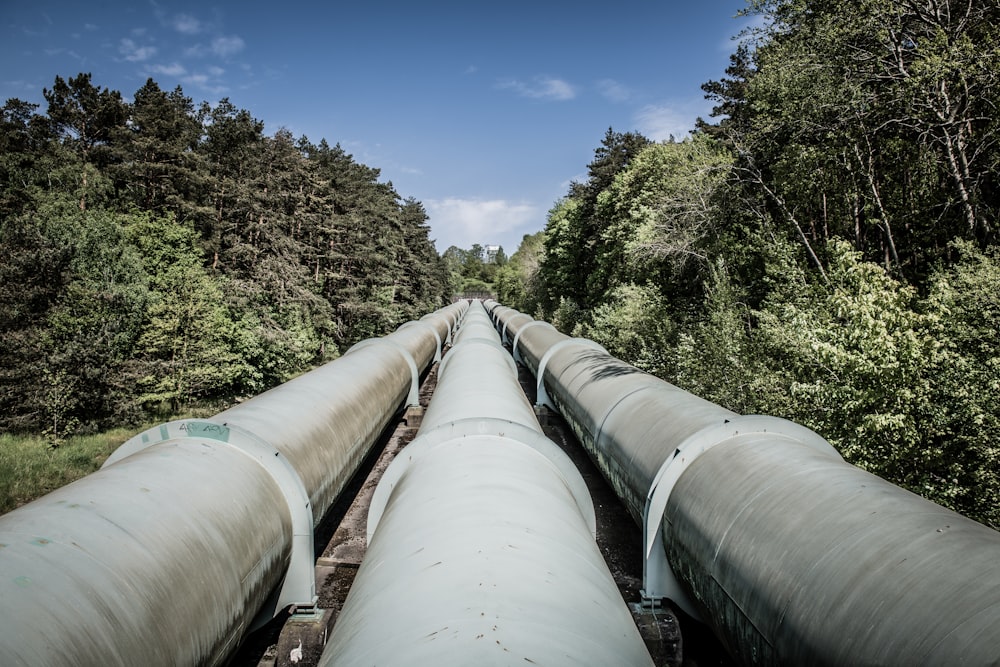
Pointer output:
481, 538
195, 528
758, 526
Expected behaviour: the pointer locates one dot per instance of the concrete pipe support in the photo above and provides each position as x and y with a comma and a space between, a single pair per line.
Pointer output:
756, 524
481, 538
195, 528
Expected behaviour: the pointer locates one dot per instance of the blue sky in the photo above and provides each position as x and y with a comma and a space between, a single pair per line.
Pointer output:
485, 112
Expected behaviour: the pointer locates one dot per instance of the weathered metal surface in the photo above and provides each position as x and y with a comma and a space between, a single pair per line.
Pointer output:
149, 561
326, 421
805, 559
791, 554
481, 547
167, 554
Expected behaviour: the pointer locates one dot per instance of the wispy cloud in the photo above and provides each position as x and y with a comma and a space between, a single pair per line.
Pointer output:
186, 24
462, 222
221, 47
31, 32
660, 122
540, 87
174, 69
60, 51
613, 90
133, 52
227, 45
208, 80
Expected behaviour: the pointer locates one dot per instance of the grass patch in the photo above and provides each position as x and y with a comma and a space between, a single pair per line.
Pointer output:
29, 468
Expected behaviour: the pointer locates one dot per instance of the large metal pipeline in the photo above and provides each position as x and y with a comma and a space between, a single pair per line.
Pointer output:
481, 538
756, 524
194, 528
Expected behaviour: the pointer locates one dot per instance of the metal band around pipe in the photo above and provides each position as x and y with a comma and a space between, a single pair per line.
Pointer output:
517, 337
658, 577
483, 426
476, 341
542, 396
503, 332
413, 398
299, 586
437, 336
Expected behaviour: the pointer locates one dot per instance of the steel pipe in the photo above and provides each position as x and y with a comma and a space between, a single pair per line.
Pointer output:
481, 538
756, 524
195, 528
807, 560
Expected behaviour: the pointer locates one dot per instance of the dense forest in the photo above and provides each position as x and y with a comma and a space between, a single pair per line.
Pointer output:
158, 253
823, 249
474, 271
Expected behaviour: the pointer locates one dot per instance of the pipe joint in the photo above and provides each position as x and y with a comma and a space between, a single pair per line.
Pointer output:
658, 579
488, 427
413, 397
542, 396
437, 336
299, 585
517, 337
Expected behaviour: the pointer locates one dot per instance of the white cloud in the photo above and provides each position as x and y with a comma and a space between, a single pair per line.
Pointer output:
173, 69
544, 88
227, 46
208, 80
614, 91
464, 222
660, 122
135, 53
186, 24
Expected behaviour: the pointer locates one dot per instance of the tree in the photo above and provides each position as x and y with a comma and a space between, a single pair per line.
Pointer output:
32, 275
175, 254
190, 347
426, 278
25, 138
75, 293
663, 216
86, 118
962, 456
861, 119
162, 168
574, 231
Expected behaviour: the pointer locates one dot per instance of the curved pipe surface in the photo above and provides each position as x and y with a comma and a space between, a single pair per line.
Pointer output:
481, 545
807, 560
167, 554
148, 561
790, 554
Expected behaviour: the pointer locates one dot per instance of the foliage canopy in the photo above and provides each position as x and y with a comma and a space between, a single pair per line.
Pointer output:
159, 253
825, 250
